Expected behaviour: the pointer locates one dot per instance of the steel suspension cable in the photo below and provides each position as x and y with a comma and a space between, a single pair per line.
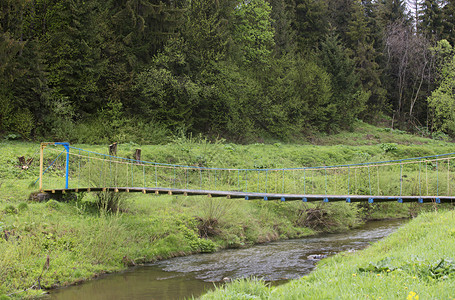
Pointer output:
377, 175
401, 178
448, 177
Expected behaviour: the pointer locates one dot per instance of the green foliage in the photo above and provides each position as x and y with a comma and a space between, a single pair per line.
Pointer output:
196, 243
10, 209
431, 19
248, 288
313, 84
110, 202
380, 266
441, 136
253, 32
329, 217
53, 204
98, 71
442, 101
168, 98
311, 22
206, 33
440, 270
344, 80
387, 147
22, 206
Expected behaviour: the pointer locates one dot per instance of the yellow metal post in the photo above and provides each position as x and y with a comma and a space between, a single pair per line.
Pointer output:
41, 166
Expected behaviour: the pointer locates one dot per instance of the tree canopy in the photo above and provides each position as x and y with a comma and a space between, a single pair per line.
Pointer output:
244, 70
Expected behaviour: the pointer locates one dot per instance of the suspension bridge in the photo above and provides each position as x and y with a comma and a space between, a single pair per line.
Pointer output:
65, 169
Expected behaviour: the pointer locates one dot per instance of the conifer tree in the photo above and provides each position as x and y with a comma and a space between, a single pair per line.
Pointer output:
392, 12
431, 20
283, 15
253, 33
311, 23
448, 12
344, 80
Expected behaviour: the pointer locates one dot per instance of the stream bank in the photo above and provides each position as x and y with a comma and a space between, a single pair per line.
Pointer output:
184, 277
417, 261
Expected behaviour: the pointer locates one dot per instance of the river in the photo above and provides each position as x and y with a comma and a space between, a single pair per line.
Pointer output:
183, 277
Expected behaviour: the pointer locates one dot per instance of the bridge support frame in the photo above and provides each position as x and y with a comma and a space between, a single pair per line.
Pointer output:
67, 162
41, 163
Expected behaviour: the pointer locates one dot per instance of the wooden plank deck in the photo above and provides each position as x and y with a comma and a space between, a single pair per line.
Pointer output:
263, 196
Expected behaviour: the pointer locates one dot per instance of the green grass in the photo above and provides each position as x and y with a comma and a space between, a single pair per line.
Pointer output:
82, 240
415, 262
367, 134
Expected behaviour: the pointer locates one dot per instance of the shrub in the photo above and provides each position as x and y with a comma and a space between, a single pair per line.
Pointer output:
23, 123
10, 209
388, 147
22, 206
110, 201
53, 204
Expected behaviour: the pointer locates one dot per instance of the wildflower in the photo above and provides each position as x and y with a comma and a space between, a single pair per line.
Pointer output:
378, 275
388, 270
412, 296
354, 275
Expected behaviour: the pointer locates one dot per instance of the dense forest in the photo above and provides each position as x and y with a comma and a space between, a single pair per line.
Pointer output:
245, 70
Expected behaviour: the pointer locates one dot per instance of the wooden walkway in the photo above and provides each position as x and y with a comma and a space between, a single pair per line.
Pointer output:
264, 196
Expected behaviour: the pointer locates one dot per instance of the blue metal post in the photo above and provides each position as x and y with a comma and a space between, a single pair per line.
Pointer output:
67, 163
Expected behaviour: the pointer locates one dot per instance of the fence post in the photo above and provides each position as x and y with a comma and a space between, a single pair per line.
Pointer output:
137, 155
113, 149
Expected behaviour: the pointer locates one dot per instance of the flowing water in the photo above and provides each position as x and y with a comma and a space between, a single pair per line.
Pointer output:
182, 277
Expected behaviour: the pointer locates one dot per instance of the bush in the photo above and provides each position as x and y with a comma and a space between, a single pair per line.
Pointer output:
10, 209
329, 217
110, 201
53, 204
388, 147
22, 206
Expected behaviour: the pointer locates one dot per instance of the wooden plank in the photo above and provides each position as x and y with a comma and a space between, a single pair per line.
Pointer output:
271, 196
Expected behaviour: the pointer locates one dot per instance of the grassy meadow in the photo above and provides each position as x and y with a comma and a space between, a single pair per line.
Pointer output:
56, 243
